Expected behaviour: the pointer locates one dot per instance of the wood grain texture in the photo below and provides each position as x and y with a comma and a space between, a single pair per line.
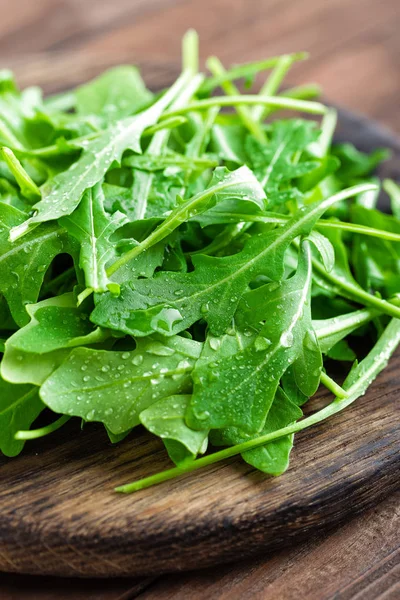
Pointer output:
357, 561
360, 560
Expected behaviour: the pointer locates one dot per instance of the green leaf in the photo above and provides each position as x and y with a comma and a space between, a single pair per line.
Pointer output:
36, 350
274, 163
115, 387
166, 419
23, 264
333, 330
115, 94
325, 249
273, 458
377, 261
56, 323
90, 225
20, 405
15, 109
239, 390
342, 351
22, 367
228, 142
355, 164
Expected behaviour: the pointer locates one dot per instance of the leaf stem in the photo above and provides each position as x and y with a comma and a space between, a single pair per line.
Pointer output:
357, 294
190, 51
251, 100
28, 187
246, 70
217, 69
33, 434
7, 135
272, 84
332, 386
322, 224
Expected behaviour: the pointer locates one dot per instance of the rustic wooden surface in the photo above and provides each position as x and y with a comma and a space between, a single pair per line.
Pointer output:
355, 54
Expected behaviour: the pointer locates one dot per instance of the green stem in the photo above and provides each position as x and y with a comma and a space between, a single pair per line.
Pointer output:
246, 70
28, 187
272, 84
332, 386
321, 146
33, 434
251, 100
355, 293
386, 345
391, 188
190, 51
393, 191
360, 229
7, 135
322, 224
217, 69
303, 92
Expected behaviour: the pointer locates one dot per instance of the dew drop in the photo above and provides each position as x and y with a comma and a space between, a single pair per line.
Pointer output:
137, 360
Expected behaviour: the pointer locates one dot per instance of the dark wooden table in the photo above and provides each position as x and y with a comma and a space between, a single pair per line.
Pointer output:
355, 55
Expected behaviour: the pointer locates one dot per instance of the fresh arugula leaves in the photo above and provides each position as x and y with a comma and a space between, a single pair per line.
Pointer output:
169, 264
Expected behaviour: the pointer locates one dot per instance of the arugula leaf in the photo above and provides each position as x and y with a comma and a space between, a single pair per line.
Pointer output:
166, 419
377, 261
273, 163
23, 264
90, 225
21, 367
224, 184
117, 93
331, 331
273, 458
55, 323
358, 380
239, 390
15, 109
37, 349
20, 405
355, 164
115, 387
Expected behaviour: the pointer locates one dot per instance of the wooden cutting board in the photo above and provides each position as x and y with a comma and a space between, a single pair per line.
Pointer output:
60, 516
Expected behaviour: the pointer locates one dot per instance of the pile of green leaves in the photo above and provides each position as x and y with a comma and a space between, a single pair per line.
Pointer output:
168, 263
